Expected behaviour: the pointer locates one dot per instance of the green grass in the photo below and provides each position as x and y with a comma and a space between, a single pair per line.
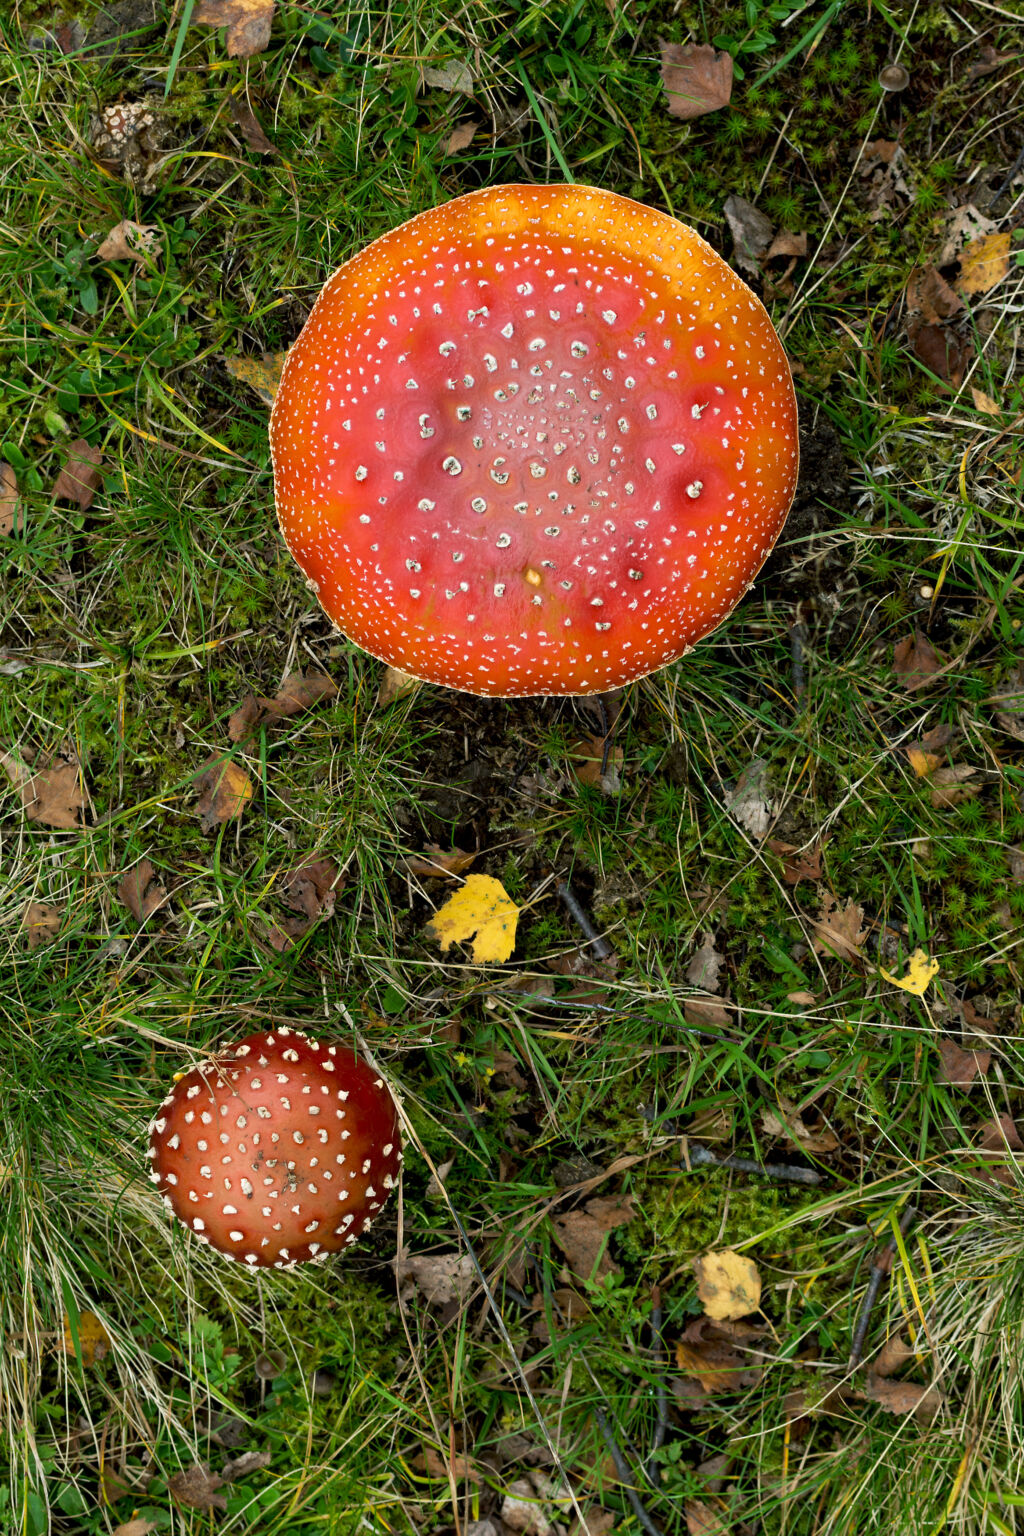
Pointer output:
129, 633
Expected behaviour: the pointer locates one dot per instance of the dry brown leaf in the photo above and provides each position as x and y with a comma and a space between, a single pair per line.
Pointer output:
787, 243
80, 477
460, 138
950, 786
985, 403
297, 692
312, 886
984, 263
248, 125
395, 685
8, 498
704, 966
135, 1528
696, 77
703, 1013
728, 1285
903, 1397
434, 864
1000, 1139
784, 1121
129, 241
987, 61
942, 351
894, 1353
930, 296
915, 661
707, 1351
454, 75
582, 1235
802, 999
141, 891
247, 22
53, 795
458, 1466
797, 864
749, 802
196, 1487
840, 930
440, 1278
93, 1338
225, 790
704, 1519
263, 374
40, 923
960, 1067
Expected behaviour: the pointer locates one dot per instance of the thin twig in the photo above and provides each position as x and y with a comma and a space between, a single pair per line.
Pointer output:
600, 947
879, 1269
783, 1173
625, 1475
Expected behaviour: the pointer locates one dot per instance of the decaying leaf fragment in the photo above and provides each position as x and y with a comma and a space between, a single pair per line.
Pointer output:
749, 803
434, 864
708, 1351
960, 1067
583, 1235
129, 241
915, 661
440, 1278
984, 263
263, 374
482, 908
728, 1285
839, 930
40, 923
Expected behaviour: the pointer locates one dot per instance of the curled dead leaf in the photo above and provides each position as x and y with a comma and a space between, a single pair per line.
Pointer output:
960, 1067
434, 864
915, 661
298, 692
839, 930
440, 1278
583, 1235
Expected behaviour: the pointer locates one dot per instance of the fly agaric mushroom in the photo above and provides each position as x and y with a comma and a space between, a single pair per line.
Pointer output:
538, 440
278, 1149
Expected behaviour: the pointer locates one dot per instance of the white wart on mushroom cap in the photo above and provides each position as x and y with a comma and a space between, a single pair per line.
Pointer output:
277, 1150
538, 440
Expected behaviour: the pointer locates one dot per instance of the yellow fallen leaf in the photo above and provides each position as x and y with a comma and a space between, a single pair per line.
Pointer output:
728, 1285
482, 907
984, 263
920, 970
923, 763
93, 1338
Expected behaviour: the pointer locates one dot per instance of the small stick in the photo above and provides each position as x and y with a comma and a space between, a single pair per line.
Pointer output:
600, 947
797, 641
783, 1173
661, 1393
1018, 165
879, 1269
625, 1475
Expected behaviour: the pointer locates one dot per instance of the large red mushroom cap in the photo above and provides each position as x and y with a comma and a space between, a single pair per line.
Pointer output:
538, 440
278, 1149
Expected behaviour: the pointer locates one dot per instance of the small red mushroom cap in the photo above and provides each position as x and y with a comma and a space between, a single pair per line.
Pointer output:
538, 440
278, 1149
